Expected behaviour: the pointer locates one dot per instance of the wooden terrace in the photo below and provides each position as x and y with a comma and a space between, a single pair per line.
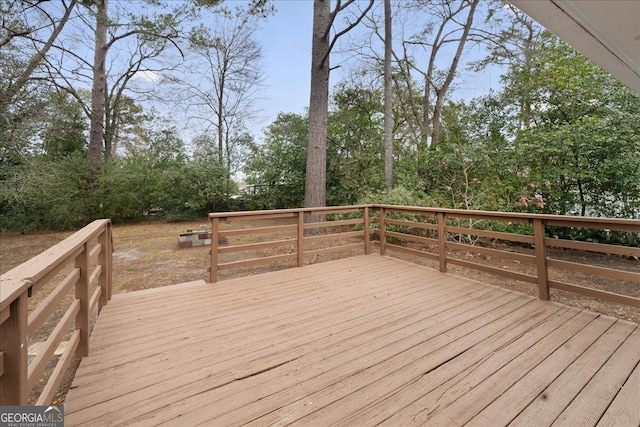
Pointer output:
364, 340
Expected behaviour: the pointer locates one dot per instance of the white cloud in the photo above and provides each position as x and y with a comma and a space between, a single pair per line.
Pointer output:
148, 76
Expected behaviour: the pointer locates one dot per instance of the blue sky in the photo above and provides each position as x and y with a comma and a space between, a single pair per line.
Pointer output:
286, 42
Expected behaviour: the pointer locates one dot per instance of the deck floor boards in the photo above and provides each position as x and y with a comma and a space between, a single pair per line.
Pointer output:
366, 340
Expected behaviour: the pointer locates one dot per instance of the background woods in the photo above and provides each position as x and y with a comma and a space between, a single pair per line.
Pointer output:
147, 109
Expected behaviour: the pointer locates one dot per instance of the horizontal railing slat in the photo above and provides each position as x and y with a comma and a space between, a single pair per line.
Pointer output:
95, 298
406, 210
592, 223
493, 270
412, 238
595, 293
491, 234
421, 225
334, 210
245, 215
323, 210
38, 364
258, 230
492, 252
42, 281
249, 216
93, 279
334, 236
50, 303
595, 270
483, 217
412, 251
93, 254
254, 246
593, 247
256, 261
325, 224
333, 249
607, 223
58, 372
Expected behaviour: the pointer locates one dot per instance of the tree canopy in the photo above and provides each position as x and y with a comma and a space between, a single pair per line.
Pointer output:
166, 125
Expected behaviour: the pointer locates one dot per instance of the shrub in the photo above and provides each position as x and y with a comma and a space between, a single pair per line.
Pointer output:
44, 193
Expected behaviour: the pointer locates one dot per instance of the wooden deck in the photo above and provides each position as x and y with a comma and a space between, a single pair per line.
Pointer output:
361, 341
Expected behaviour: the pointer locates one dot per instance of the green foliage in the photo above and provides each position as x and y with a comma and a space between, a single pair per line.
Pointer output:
583, 154
505, 227
355, 162
472, 167
129, 188
22, 121
161, 179
65, 126
560, 137
276, 169
199, 189
56, 192
621, 238
43, 193
399, 196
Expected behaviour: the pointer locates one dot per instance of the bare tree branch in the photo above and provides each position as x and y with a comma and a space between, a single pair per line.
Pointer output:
349, 27
19, 83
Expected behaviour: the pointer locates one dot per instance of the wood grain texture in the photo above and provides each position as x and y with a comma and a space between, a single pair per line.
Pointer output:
13, 342
42, 267
360, 341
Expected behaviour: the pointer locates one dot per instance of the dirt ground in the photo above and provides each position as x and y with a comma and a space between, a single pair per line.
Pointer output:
146, 255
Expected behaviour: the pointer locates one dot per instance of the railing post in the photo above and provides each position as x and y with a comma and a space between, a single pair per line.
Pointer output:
82, 293
442, 241
541, 259
13, 342
103, 259
300, 238
383, 238
367, 241
215, 232
109, 261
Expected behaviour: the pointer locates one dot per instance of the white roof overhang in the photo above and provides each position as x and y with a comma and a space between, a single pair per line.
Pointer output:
605, 31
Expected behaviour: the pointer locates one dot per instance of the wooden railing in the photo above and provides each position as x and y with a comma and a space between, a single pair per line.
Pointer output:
447, 224
293, 238
82, 261
440, 234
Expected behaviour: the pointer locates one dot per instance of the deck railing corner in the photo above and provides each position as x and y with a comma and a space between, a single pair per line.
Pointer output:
84, 260
441, 235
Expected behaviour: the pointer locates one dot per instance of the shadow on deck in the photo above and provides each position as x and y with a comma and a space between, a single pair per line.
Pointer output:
361, 341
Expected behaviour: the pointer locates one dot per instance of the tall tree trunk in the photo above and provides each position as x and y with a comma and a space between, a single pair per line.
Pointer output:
228, 189
388, 101
315, 181
525, 101
220, 118
110, 126
98, 91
